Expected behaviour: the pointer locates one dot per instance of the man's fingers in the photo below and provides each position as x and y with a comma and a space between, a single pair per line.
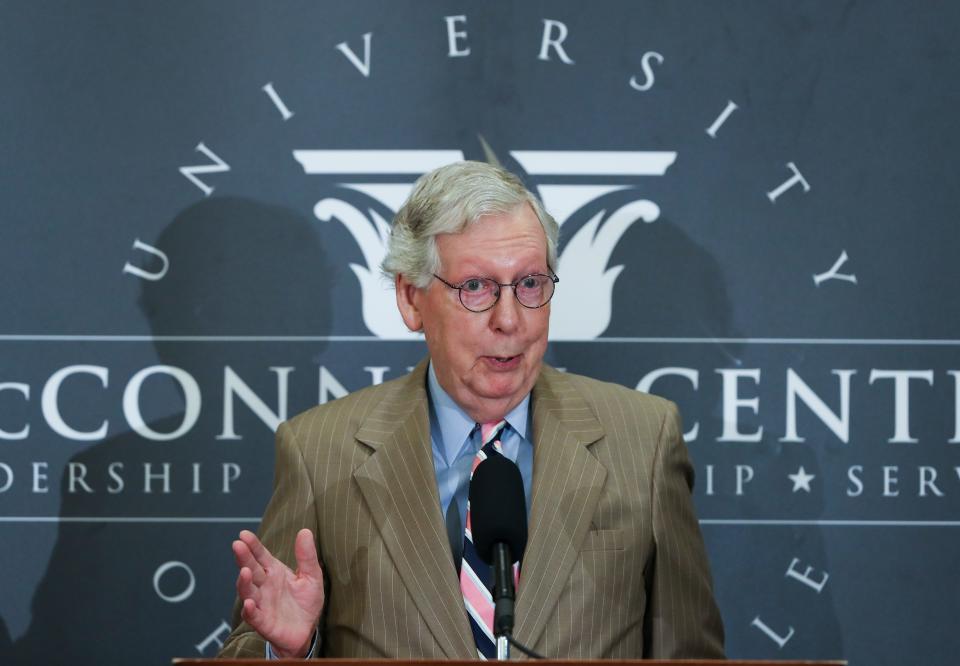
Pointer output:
305, 550
256, 556
245, 559
251, 614
246, 588
260, 553
241, 553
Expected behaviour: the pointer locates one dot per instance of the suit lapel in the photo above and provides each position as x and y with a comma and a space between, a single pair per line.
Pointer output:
567, 480
399, 484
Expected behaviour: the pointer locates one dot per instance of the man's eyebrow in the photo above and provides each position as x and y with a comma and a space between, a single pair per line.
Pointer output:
519, 276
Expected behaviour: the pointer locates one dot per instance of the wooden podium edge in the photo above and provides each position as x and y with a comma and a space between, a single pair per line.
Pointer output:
546, 662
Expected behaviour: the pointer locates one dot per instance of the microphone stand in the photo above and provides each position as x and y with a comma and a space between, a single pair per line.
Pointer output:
503, 598
503, 648
503, 602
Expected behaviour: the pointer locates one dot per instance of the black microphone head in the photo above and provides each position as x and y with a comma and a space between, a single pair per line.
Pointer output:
498, 509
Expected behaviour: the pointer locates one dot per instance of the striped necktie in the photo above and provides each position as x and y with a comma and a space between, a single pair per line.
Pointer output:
475, 574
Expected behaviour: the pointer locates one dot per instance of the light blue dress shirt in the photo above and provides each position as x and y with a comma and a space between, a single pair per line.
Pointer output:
454, 449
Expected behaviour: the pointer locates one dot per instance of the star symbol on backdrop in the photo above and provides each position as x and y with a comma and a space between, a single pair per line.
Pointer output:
801, 480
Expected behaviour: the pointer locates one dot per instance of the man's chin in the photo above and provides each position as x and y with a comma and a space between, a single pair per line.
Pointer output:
499, 390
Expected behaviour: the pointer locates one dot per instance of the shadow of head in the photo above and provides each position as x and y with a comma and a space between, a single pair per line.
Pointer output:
677, 285
238, 267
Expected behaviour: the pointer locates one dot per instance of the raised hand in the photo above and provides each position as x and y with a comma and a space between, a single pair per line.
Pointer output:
282, 606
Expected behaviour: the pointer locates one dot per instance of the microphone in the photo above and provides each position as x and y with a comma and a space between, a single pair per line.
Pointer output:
498, 520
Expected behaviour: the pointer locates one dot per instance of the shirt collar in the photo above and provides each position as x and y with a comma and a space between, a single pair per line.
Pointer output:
454, 423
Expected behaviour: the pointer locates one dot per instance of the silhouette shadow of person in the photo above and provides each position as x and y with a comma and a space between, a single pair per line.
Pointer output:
141, 570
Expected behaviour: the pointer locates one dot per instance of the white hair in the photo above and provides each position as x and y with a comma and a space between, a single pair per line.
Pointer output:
445, 201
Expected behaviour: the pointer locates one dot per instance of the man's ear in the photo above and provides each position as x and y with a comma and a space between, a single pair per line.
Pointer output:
408, 298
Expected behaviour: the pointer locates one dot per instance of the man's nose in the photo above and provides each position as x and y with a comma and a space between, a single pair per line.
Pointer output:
505, 314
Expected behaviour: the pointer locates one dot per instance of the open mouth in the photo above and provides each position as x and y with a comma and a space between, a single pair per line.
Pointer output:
503, 362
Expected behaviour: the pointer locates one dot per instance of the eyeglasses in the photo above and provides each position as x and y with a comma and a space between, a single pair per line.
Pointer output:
479, 294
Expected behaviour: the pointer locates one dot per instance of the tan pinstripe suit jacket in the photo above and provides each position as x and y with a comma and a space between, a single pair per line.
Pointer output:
615, 565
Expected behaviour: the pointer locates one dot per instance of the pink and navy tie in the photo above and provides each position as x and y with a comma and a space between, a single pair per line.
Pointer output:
475, 574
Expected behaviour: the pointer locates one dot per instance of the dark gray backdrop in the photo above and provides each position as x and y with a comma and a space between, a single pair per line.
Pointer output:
104, 103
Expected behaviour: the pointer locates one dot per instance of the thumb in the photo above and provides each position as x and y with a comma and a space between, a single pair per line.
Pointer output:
305, 550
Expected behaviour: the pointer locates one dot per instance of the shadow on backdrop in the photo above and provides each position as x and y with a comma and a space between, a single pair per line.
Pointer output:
6, 644
145, 592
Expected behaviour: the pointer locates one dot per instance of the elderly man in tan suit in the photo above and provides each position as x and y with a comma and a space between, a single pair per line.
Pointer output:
615, 565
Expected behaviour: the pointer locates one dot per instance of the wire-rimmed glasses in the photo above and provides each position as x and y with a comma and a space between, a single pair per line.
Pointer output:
479, 294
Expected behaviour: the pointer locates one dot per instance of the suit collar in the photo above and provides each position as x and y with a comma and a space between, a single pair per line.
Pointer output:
556, 400
399, 484
567, 482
